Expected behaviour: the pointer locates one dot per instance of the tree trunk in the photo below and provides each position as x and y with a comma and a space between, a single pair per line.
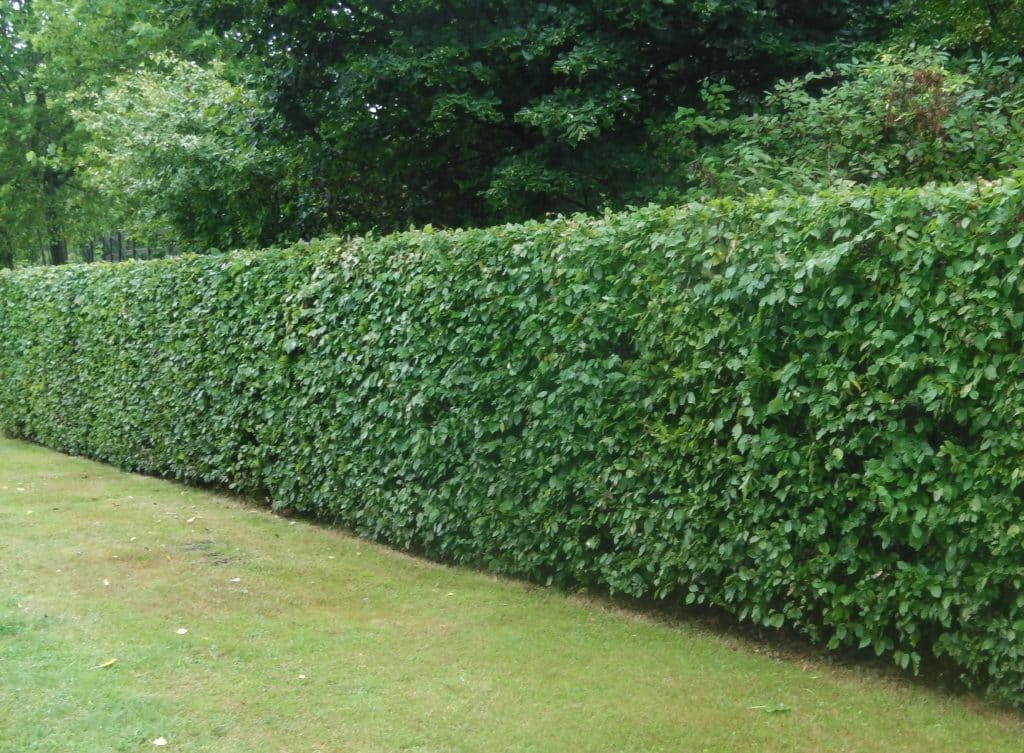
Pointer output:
58, 251
57, 244
52, 179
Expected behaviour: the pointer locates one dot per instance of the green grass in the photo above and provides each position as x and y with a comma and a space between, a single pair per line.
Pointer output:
327, 643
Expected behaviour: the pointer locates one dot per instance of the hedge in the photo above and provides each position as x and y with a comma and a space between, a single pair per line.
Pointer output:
807, 412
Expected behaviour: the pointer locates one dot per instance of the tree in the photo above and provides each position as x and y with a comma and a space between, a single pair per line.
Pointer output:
176, 150
32, 128
460, 112
52, 54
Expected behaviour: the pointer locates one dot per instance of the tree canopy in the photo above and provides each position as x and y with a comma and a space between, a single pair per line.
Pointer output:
465, 112
246, 122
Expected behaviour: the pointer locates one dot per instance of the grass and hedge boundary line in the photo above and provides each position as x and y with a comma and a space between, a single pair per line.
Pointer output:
807, 411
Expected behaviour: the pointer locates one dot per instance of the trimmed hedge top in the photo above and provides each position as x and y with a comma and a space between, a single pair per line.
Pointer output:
808, 412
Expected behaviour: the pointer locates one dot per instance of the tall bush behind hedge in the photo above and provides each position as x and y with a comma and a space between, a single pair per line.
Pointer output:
806, 411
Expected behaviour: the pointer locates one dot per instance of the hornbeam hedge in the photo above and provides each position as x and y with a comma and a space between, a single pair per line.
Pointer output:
808, 412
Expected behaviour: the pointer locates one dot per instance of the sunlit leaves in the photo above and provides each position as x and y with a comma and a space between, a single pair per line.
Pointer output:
176, 148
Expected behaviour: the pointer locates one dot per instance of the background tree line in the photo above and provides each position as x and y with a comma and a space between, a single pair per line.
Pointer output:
230, 123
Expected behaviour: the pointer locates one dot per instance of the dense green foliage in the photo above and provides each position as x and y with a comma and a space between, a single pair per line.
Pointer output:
805, 411
296, 119
902, 119
461, 112
56, 56
177, 147
993, 25
222, 123
34, 132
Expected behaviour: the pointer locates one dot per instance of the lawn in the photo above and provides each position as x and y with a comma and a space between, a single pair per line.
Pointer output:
237, 630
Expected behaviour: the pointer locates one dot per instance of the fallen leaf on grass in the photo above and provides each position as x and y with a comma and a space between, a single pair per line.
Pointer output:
107, 663
773, 708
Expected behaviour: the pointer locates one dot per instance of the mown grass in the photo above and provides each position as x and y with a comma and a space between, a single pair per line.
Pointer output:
302, 638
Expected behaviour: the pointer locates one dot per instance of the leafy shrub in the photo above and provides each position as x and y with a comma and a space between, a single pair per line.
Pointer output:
806, 411
964, 24
903, 119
